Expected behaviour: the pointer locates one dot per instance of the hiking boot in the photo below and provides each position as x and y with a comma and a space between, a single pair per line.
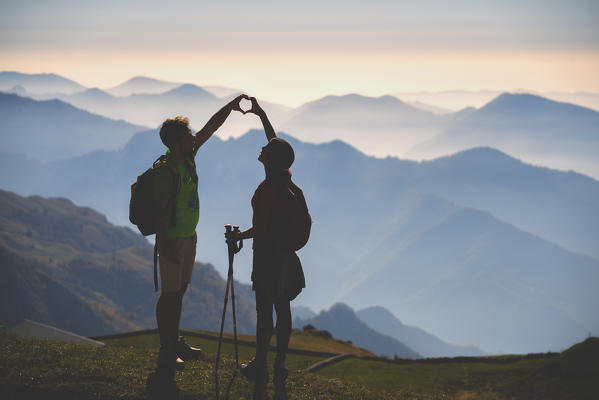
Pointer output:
161, 387
179, 364
259, 375
168, 360
249, 370
186, 352
281, 373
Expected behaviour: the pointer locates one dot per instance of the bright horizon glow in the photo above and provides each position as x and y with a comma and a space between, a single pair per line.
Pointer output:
268, 76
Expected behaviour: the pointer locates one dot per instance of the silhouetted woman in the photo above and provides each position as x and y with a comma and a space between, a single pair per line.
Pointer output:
270, 262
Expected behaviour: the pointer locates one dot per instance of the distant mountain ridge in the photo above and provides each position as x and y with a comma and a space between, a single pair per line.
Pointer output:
148, 109
459, 99
189, 91
377, 125
343, 323
67, 266
148, 102
383, 321
554, 205
466, 260
141, 85
562, 135
380, 126
38, 83
51, 130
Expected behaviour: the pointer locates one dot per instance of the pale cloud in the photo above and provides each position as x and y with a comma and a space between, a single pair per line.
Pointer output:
297, 51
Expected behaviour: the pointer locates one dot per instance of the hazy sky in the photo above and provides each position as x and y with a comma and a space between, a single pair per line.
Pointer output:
291, 52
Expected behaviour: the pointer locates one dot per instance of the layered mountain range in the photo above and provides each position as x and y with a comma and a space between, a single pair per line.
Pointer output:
528, 126
476, 248
377, 329
426, 344
539, 130
51, 130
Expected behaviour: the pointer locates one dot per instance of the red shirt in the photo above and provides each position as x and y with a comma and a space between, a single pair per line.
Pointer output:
264, 203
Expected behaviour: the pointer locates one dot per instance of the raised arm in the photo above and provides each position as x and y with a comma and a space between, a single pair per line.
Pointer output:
217, 120
268, 129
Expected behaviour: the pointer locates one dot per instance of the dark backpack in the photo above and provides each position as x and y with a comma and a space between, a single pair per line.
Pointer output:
296, 221
141, 207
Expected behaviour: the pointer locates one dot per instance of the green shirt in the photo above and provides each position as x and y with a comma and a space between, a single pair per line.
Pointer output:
187, 202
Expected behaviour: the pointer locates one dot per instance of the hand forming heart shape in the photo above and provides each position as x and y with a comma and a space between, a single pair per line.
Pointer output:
243, 99
245, 105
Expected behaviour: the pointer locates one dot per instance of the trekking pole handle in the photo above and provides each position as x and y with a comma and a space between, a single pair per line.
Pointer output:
236, 230
233, 245
228, 228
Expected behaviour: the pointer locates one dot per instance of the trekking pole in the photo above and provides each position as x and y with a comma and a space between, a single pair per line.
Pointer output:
236, 249
232, 250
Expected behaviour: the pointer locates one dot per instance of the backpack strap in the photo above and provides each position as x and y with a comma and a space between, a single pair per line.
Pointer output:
191, 168
156, 265
163, 162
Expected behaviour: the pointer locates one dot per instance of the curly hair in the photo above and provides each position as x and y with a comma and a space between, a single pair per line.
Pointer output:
173, 129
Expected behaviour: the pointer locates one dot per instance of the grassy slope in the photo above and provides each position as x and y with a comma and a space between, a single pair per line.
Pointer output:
314, 340
51, 370
573, 374
41, 369
150, 342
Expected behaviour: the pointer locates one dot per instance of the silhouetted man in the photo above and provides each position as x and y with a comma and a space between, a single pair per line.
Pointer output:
176, 213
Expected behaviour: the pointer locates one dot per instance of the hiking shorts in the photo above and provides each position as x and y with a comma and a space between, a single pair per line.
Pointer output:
176, 273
